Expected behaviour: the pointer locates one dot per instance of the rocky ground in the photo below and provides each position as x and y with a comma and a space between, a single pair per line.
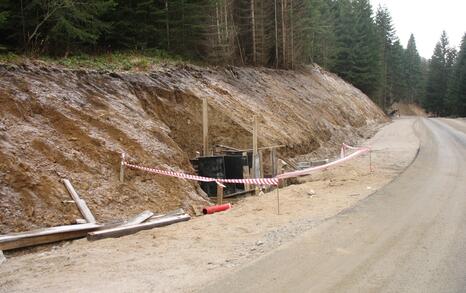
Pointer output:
186, 256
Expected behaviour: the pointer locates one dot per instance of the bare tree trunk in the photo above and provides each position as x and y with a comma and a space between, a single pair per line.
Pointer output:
226, 21
218, 24
167, 25
23, 24
283, 33
253, 24
292, 33
276, 34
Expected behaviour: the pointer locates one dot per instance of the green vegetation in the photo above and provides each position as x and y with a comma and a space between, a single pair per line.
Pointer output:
343, 36
446, 84
124, 60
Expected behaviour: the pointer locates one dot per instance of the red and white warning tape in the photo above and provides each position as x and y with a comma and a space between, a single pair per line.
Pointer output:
359, 151
254, 181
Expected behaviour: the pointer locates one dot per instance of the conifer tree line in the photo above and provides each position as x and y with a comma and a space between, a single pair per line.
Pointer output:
446, 81
347, 37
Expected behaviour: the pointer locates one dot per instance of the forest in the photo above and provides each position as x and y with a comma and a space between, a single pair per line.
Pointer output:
347, 37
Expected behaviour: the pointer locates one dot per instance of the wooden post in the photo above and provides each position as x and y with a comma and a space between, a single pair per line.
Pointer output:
220, 193
82, 206
205, 128
273, 161
278, 198
261, 164
246, 174
255, 154
122, 167
370, 161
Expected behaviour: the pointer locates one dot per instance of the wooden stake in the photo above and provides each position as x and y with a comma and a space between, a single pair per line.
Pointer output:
278, 198
82, 206
205, 128
122, 167
255, 154
219, 194
246, 174
273, 161
370, 161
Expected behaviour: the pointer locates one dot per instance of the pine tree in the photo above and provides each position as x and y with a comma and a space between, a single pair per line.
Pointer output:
397, 82
436, 88
413, 71
456, 100
366, 72
343, 62
386, 36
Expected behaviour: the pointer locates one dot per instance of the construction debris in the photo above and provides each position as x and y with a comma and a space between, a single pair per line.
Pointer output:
2, 257
47, 235
127, 230
217, 208
139, 218
82, 206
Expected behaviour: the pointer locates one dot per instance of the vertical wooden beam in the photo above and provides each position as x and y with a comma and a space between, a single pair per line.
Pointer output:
205, 128
261, 163
219, 194
122, 167
255, 154
278, 199
273, 161
246, 174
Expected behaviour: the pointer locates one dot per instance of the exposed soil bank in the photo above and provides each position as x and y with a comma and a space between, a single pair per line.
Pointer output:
56, 123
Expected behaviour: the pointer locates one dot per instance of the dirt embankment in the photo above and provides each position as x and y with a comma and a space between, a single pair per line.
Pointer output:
58, 123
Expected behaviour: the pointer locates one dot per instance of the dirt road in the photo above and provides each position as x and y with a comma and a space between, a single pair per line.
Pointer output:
186, 256
407, 237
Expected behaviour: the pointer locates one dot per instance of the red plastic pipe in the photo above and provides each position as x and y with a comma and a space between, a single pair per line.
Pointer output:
215, 209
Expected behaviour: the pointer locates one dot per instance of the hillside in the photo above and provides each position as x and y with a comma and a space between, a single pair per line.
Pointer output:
57, 122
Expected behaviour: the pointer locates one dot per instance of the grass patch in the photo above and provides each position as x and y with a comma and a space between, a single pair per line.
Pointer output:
115, 61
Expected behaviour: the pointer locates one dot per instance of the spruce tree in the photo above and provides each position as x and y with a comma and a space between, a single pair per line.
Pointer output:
386, 37
413, 72
366, 71
456, 100
343, 62
436, 88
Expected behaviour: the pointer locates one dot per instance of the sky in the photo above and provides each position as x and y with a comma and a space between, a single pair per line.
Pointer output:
426, 19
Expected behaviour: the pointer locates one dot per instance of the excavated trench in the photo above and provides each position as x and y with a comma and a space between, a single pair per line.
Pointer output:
59, 123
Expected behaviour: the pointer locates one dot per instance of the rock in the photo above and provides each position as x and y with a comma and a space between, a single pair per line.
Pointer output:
2, 257
259, 243
311, 192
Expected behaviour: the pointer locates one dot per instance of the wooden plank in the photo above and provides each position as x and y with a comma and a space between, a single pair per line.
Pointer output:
82, 206
139, 218
46, 235
205, 128
176, 212
127, 230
